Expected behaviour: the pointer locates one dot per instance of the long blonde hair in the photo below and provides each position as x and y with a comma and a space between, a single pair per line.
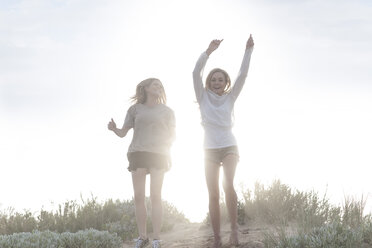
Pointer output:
227, 78
140, 96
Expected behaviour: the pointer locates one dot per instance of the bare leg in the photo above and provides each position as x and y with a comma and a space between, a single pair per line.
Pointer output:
157, 177
229, 166
139, 182
212, 172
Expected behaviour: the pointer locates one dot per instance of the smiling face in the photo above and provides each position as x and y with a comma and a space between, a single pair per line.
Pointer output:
218, 81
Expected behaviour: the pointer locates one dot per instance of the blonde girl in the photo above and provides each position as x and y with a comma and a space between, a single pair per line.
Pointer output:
216, 101
153, 126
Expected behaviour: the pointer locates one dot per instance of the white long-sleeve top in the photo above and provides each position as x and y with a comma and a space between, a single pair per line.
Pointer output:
217, 111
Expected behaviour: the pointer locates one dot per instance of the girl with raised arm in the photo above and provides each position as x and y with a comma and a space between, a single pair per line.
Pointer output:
153, 126
216, 101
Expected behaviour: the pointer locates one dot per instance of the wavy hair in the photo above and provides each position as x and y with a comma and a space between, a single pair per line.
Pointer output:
227, 79
141, 97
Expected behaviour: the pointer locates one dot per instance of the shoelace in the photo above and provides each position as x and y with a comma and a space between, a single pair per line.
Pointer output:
156, 243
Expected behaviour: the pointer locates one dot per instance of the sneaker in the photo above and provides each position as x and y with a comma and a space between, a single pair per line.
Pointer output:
156, 243
140, 243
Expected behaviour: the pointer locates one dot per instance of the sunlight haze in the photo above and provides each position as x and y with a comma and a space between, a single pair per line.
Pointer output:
67, 67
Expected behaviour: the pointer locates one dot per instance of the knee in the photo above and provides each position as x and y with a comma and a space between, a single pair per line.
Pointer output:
214, 197
228, 187
155, 198
139, 199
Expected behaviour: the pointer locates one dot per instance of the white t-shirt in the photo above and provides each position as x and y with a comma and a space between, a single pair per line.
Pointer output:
153, 128
217, 111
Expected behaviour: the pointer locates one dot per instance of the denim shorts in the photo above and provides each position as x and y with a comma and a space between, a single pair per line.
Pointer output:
148, 160
217, 155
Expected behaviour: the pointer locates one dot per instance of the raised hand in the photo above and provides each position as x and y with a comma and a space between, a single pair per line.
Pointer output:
213, 46
111, 125
250, 42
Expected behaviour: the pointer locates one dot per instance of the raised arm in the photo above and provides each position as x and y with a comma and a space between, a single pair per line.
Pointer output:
213, 46
199, 68
243, 72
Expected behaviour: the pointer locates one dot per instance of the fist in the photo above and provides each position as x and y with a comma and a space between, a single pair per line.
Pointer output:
250, 42
111, 125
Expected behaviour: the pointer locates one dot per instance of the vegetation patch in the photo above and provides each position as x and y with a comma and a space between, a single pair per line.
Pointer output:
115, 217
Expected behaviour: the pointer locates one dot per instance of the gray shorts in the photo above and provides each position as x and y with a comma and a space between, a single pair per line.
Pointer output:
217, 155
148, 160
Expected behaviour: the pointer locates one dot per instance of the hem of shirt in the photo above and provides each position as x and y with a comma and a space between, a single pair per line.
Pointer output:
219, 147
152, 151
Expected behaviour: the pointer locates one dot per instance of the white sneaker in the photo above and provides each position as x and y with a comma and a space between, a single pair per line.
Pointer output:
156, 243
140, 243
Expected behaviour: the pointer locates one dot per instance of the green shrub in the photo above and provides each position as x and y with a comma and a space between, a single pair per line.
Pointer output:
46, 239
113, 216
316, 222
279, 204
303, 219
333, 235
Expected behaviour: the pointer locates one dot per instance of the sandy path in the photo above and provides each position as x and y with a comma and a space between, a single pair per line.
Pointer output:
196, 235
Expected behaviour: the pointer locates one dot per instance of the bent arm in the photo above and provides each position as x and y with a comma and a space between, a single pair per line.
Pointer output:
121, 132
198, 75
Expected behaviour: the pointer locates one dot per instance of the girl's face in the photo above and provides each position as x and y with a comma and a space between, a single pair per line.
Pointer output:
218, 83
155, 89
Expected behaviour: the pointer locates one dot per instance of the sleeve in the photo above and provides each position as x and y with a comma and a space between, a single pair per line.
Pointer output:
172, 126
172, 119
242, 75
129, 118
198, 75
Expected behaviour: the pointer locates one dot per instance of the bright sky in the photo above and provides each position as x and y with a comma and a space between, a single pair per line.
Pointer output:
67, 67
